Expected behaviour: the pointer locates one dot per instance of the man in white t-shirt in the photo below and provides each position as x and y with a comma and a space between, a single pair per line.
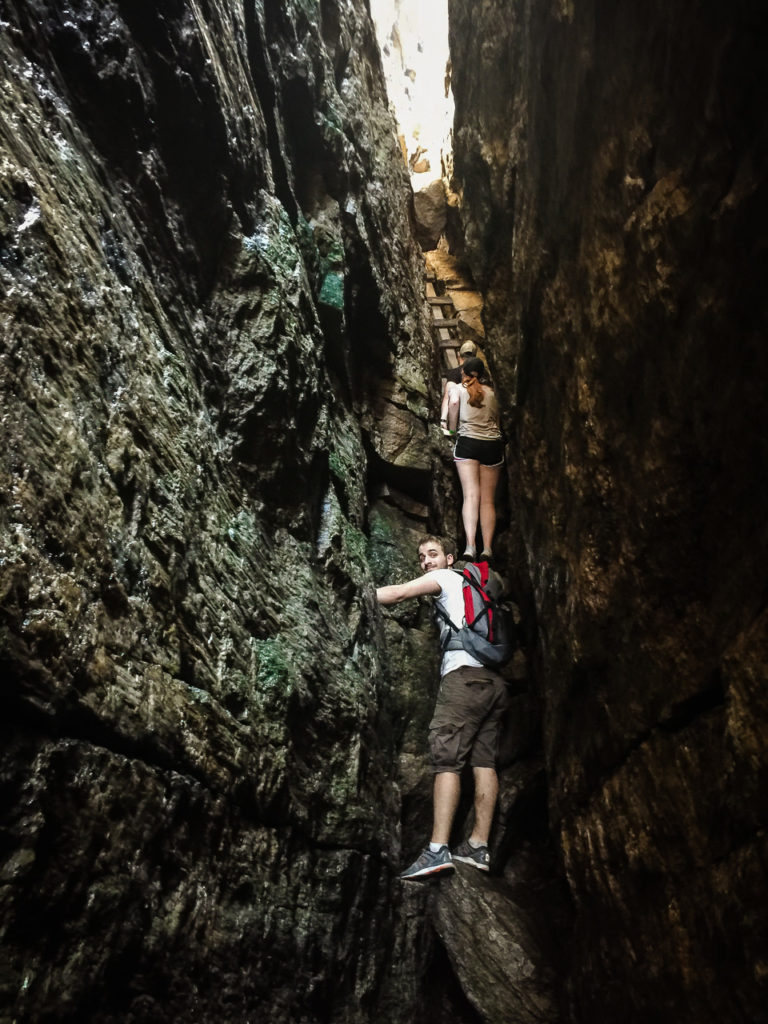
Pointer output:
466, 724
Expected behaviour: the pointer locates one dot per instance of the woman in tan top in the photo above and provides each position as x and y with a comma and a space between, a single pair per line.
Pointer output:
479, 454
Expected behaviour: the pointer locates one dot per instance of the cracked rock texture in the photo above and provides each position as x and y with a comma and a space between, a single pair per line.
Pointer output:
213, 358
612, 166
218, 413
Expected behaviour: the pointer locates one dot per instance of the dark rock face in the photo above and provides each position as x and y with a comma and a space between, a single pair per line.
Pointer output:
612, 162
218, 406
213, 356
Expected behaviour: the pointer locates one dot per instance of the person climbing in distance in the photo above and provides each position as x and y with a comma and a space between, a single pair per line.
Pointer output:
465, 725
478, 454
453, 379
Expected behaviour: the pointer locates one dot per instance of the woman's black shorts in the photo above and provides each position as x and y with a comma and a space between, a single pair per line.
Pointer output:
487, 453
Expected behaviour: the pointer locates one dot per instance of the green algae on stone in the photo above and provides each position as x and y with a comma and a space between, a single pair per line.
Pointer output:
327, 236
243, 530
332, 290
381, 549
391, 546
333, 118
347, 464
355, 548
275, 673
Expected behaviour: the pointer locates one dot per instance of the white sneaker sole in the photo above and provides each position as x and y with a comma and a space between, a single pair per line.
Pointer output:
426, 872
468, 860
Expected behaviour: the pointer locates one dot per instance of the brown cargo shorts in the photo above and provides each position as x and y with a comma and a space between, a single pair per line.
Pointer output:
466, 725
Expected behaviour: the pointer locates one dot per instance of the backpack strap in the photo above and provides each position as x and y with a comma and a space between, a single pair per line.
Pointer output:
450, 637
440, 613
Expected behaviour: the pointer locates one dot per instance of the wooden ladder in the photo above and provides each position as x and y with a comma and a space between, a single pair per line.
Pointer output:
445, 327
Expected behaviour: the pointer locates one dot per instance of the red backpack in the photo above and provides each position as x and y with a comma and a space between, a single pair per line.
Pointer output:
488, 631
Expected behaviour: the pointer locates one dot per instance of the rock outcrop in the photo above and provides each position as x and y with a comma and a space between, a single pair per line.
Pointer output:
612, 167
214, 355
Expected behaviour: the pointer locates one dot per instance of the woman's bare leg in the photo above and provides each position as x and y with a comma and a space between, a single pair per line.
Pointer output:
488, 480
469, 475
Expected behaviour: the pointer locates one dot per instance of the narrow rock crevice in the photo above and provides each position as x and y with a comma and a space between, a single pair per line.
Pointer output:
220, 393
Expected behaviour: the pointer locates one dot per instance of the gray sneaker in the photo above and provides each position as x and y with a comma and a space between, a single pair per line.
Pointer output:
429, 863
479, 858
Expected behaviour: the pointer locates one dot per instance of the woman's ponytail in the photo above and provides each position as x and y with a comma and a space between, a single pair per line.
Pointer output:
472, 370
475, 389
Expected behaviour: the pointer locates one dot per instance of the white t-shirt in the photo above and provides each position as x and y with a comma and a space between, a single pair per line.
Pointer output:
451, 599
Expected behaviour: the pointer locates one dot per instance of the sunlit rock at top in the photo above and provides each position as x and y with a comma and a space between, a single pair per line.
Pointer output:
413, 37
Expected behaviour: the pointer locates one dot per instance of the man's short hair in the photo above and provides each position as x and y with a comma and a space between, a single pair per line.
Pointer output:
469, 348
432, 538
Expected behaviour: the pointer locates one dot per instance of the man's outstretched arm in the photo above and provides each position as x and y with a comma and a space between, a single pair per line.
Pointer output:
413, 588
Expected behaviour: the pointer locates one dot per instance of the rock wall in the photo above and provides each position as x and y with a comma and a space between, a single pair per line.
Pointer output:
612, 166
218, 406
214, 369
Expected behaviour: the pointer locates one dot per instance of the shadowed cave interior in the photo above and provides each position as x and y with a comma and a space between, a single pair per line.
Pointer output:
221, 225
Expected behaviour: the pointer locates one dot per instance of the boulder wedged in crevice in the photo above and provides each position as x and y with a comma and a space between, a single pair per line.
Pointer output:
491, 941
430, 210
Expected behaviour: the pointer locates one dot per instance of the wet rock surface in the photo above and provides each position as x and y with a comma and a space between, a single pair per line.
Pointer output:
219, 403
612, 166
210, 297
